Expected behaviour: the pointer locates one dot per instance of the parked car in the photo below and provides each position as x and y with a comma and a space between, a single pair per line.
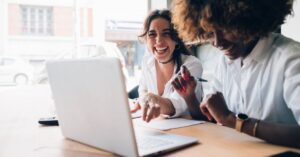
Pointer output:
15, 70
87, 50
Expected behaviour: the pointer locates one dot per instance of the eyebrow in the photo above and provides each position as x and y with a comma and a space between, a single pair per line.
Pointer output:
164, 30
167, 29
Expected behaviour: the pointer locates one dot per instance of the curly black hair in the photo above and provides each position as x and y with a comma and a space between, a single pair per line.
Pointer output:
247, 18
166, 14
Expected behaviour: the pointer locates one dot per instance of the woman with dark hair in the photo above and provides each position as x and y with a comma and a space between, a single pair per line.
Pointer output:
167, 54
256, 88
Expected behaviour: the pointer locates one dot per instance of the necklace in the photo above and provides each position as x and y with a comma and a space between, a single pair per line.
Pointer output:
168, 61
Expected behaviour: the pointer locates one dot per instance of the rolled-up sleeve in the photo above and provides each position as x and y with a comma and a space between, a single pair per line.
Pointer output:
142, 84
291, 84
195, 68
143, 79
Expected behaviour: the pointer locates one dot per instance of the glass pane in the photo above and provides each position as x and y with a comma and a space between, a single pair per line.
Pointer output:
64, 29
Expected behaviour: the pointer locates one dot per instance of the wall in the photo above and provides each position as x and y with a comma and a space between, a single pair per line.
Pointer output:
291, 27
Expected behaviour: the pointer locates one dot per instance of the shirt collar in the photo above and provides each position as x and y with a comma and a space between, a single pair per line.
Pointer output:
151, 63
259, 51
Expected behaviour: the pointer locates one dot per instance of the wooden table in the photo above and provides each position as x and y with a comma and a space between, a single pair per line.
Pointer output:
21, 135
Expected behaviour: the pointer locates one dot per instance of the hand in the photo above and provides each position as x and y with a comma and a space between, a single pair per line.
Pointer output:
214, 108
150, 104
184, 84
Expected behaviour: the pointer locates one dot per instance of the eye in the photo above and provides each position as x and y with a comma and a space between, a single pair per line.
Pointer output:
167, 34
151, 34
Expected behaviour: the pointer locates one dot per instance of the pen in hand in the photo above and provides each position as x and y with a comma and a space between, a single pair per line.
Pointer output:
187, 77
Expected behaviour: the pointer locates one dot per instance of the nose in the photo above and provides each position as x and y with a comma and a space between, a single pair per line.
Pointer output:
159, 38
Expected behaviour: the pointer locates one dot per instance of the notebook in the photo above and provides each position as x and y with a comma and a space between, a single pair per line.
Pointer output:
166, 124
92, 106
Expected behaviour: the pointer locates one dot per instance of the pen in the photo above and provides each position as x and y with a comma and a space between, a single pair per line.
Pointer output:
198, 79
201, 80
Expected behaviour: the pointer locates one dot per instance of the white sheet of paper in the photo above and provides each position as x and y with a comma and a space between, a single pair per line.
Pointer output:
166, 124
138, 113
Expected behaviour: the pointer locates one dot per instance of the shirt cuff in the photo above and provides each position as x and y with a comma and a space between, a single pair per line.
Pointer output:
179, 106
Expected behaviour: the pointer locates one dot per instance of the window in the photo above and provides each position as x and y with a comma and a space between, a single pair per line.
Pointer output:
37, 20
65, 29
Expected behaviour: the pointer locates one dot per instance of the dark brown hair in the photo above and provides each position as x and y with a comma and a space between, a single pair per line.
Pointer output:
180, 46
246, 18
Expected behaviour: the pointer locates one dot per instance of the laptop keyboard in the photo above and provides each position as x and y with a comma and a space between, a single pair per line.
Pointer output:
151, 143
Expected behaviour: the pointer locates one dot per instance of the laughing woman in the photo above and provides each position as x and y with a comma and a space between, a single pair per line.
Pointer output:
167, 54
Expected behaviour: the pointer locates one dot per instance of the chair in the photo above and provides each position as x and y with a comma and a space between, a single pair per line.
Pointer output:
133, 93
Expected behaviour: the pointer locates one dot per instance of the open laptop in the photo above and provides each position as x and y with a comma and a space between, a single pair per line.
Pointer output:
92, 108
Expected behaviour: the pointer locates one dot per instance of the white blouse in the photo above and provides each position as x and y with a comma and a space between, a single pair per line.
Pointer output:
148, 82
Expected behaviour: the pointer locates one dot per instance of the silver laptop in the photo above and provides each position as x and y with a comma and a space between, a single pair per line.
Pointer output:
92, 108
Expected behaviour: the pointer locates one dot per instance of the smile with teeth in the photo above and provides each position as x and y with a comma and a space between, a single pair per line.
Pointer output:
161, 49
225, 49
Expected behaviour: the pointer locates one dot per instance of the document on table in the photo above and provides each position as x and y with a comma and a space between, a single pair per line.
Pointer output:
166, 124
138, 113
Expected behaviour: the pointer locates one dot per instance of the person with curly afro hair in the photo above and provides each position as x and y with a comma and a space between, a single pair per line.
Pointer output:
256, 84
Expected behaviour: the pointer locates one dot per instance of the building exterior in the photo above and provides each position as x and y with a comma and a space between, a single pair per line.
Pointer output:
42, 29
39, 30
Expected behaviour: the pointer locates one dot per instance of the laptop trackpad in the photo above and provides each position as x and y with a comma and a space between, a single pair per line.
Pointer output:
154, 142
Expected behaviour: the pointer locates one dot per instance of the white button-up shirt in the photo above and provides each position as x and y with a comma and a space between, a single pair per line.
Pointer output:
148, 81
267, 86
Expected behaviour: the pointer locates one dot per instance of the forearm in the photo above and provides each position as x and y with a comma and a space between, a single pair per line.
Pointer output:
193, 107
281, 134
166, 106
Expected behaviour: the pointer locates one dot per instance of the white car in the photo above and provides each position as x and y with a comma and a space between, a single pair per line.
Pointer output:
109, 49
87, 50
15, 70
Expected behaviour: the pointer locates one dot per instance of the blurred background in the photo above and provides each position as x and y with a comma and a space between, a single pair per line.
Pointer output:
34, 31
